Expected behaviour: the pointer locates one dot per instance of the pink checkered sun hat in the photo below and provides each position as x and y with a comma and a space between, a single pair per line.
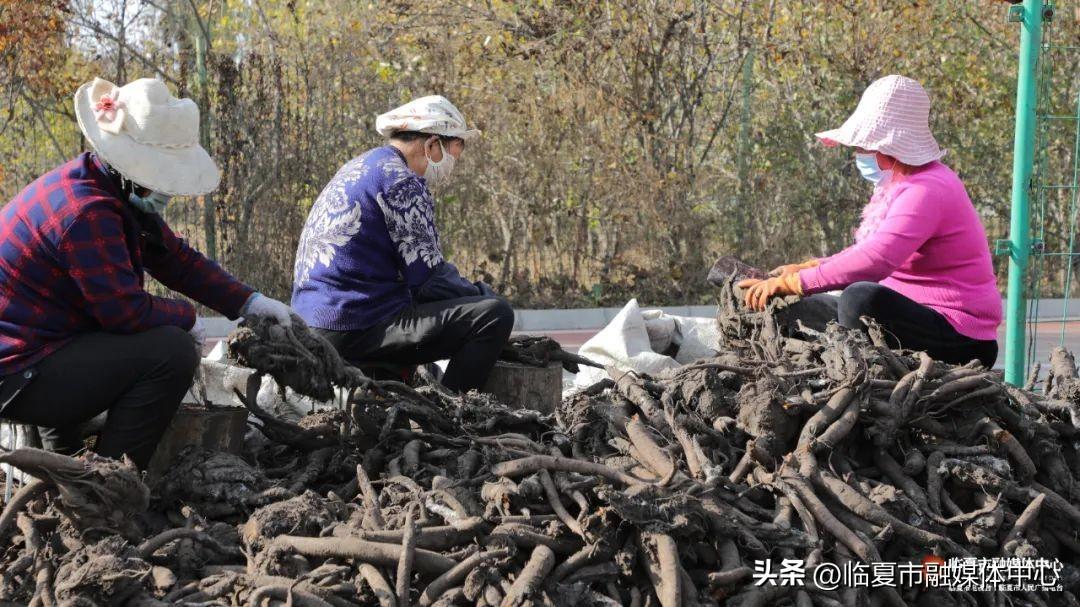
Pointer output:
893, 117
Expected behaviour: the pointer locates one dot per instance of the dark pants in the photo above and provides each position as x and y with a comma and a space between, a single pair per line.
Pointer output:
139, 379
907, 324
470, 331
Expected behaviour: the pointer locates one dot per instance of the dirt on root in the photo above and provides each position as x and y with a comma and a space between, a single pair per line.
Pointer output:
305, 514
763, 416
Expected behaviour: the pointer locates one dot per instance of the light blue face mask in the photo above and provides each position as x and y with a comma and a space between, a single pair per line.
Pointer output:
154, 202
869, 168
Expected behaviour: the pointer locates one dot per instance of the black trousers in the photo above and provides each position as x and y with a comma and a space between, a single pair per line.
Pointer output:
139, 379
470, 331
907, 324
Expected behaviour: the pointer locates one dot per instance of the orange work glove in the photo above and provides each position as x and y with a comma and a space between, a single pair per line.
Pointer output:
759, 292
792, 268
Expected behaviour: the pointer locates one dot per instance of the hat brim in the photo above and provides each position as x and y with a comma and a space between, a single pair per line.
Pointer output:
833, 138
187, 171
470, 134
466, 135
928, 152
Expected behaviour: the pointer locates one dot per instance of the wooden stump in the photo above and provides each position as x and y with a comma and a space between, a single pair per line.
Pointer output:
215, 428
526, 387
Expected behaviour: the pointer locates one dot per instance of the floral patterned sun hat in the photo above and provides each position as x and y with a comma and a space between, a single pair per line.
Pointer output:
432, 114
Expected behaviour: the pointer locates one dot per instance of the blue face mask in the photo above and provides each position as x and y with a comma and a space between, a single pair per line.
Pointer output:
154, 202
869, 168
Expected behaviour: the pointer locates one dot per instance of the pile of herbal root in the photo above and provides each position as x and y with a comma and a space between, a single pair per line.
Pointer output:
640, 490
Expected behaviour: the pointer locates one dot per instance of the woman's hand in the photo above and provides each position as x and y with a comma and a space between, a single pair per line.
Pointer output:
268, 307
759, 292
793, 268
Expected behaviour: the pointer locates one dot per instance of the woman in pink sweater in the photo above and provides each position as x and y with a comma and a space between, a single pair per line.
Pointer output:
920, 265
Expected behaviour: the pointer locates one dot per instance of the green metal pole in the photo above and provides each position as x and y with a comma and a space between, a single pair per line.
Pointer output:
1023, 158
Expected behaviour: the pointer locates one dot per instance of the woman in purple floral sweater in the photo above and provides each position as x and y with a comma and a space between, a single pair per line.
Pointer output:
370, 274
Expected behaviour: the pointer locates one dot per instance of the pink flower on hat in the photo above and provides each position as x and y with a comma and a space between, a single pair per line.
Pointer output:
158, 147
106, 106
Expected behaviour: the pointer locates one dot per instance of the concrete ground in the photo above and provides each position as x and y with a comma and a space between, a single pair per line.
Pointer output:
1047, 337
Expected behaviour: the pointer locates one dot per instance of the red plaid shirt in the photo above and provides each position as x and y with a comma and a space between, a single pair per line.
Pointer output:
72, 255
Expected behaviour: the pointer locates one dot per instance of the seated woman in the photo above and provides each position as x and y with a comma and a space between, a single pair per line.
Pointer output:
370, 274
920, 265
79, 333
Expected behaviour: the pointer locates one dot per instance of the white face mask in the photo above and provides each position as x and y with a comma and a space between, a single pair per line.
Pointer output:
437, 174
870, 169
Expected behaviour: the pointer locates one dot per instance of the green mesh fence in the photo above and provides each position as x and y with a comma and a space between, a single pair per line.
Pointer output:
1055, 185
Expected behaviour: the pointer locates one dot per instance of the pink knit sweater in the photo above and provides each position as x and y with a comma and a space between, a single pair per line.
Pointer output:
930, 247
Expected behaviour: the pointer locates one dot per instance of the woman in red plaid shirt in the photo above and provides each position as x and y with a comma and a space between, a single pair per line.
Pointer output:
79, 334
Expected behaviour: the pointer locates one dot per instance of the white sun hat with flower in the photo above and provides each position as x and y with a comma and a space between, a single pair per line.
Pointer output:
893, 117
149, 136
432, 114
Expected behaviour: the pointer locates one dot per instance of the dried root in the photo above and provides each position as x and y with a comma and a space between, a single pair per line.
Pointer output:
820, 446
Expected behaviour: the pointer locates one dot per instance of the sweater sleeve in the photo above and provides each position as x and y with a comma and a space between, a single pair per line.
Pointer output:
913, 217
178, 266
94, 251
445, 283
409, 213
